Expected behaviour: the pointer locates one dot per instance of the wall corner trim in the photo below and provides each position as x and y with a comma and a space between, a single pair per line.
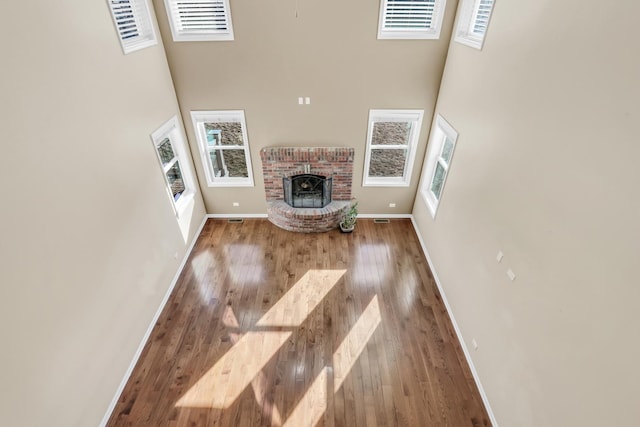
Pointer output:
147, 334
467, 355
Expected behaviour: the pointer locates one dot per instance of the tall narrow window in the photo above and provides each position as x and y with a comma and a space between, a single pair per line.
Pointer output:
133, 23
224, 147
199, 20
473, 22
437, 163
410, 19
392, 138
171, 149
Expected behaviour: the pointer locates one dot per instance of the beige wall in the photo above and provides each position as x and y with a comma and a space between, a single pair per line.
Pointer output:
333, 58
546, 170
88, 232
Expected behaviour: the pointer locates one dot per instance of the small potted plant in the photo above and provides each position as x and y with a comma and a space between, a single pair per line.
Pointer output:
349, 218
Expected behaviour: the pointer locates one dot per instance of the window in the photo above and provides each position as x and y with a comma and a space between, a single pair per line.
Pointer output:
199, 20
437, 163
171, 149
392, 138
133, 23
473, 22
224, 147
410, 19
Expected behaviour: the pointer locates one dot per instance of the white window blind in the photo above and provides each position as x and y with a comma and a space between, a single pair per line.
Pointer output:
133, 24
482, 14
473, 22
410, 19
195, 20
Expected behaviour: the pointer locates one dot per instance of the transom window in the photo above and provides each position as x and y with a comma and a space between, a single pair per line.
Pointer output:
473, 22
391, 144
224, 147
410, 19
437, 163
133, 23
199, 20
172, 154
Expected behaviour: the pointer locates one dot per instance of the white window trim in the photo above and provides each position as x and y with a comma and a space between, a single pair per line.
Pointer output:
143, 24
467, 18
412, 33
172, 130
199, 118
441, 131
414, 116
206, 34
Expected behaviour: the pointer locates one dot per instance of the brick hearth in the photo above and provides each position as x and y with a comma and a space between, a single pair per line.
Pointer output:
280, 162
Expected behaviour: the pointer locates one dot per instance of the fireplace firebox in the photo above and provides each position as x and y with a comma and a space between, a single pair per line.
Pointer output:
307, 191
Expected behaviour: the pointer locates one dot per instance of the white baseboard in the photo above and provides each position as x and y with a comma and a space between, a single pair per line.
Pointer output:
217, 216
467, 355
390, 216
147, 334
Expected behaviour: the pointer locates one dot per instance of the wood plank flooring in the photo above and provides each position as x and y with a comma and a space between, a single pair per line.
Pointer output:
271, 328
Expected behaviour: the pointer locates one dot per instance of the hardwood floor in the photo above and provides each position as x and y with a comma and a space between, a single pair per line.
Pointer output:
271, 328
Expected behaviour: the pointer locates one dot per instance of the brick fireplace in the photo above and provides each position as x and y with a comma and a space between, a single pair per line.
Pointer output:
334, 163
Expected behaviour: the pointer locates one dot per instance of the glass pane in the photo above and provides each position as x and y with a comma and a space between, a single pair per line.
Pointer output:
447, 149
213, 137
174, 176
165, 150
224, 133
387, 163
229, 163
390, 133
438, 181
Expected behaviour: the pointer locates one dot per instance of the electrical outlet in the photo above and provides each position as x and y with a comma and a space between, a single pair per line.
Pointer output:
307, 100
511, 274
300, 100
236, 204
392, 205
499, 256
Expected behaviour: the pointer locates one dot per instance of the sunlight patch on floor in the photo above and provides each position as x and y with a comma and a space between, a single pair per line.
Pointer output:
354, 343
238, 367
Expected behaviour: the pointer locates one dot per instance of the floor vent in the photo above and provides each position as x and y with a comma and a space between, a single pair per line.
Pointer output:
381, 221
235, 220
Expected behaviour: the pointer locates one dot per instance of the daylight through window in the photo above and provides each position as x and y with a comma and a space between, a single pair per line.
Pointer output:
199, 20
391, 144
222, 138
133, 23
437, 163
473, 22
410, 19
172, 154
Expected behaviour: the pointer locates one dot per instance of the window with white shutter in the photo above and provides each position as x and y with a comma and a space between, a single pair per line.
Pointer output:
437, 163
133, 23
473, 22
392, 139
199, 20
410, 19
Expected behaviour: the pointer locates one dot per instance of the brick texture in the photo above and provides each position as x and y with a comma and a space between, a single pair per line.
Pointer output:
280, 162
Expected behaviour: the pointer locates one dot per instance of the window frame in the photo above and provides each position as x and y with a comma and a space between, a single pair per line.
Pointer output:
181, 35
468, 17
199, 118
412, 33
413, 116
174, 132
442, 131
143, 25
